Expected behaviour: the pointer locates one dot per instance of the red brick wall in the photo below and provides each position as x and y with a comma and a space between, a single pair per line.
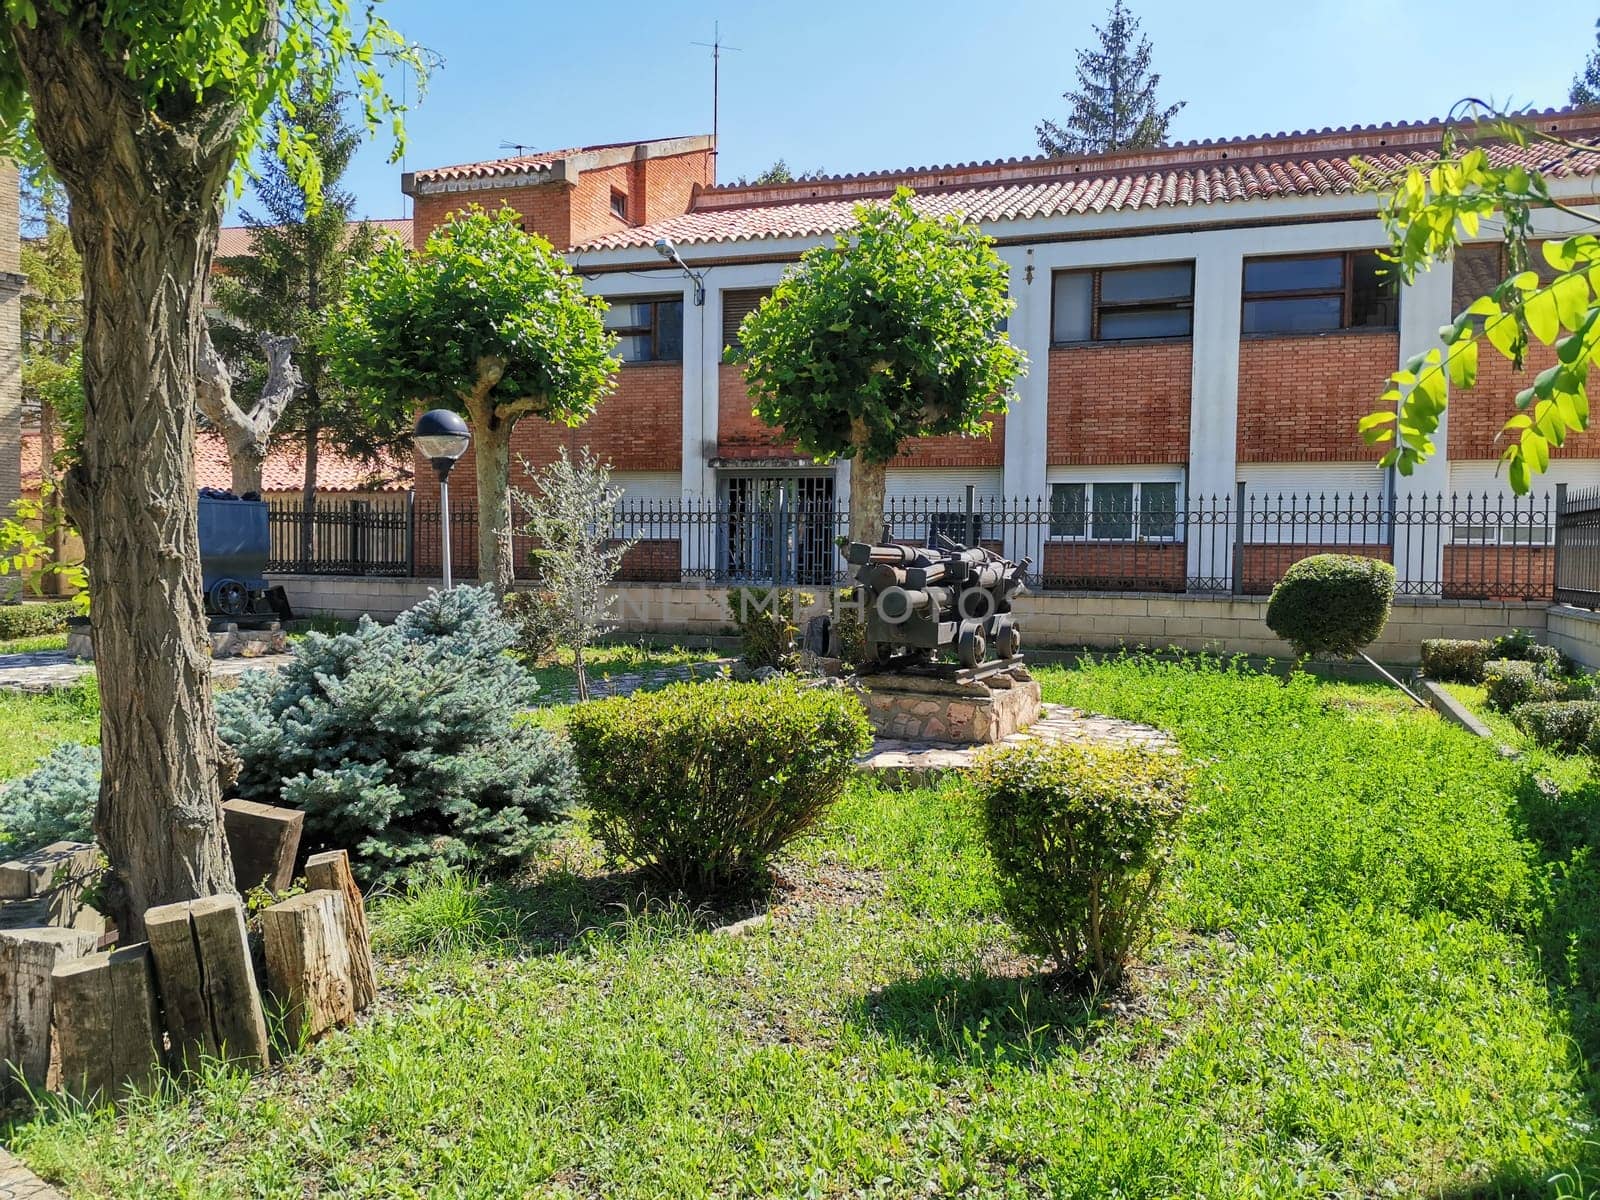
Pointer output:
740, 433
1300, 397
639, 427
1263, 563
1113, 404
1478, 413
1113, 566
544, 210
1498, 572
956, 451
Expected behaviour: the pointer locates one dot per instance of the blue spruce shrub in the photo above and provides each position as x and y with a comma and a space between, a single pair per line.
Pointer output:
52, 803
399, 742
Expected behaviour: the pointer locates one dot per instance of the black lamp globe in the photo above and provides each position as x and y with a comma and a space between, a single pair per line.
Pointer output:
442, 436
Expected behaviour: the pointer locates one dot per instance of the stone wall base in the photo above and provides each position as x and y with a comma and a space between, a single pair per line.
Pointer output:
227, 642
916, 709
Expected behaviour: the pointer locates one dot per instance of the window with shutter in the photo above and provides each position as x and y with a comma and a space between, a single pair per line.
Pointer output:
736, 306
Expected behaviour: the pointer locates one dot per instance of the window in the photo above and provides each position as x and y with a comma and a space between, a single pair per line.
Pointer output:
1480, 268
1318, 293
1117, 512
736, 306
1115, 304
619, 204
649, 330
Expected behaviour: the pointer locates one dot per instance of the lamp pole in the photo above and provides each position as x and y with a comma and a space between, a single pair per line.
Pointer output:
442, 436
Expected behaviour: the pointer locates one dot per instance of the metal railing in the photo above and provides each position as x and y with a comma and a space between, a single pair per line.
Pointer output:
1478, 546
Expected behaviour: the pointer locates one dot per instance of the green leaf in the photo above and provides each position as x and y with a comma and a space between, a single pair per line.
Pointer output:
1463, 364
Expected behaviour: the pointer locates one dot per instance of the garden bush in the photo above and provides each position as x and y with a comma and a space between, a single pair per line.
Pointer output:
401, 742
1080, 837
35, 619
766, 621
1510, 682
1561, 725
52, 803
1332, 603
1454, 660
700, 784
533, 615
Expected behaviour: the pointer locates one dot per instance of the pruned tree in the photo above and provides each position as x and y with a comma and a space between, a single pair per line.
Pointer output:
1586, 83
300, 256
1114, 106
143, 109
247, 432
893, 333
779, 172
568, 517
489, 321
1431, 209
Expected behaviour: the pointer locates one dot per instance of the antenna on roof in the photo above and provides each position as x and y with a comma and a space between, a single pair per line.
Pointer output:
716, 47
519, 147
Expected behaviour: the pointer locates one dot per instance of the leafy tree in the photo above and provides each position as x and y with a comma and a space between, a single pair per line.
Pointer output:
1586, 83
301, 255
779, 172
143, 109
487, 320
568, 518
1115, 105
892, 333
1433, 207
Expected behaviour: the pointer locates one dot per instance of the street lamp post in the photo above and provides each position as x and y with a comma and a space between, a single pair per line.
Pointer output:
443, 437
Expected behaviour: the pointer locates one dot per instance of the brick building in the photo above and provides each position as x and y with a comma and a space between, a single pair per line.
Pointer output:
1205, 323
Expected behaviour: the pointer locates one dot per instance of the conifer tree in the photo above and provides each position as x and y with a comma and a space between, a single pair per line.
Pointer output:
1586, 83
1115, 105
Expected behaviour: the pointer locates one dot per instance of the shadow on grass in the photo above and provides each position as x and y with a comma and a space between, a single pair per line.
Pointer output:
985, 1019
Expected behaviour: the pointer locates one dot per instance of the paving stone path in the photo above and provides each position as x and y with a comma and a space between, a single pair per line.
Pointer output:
47, 670
19, 1183
917, 764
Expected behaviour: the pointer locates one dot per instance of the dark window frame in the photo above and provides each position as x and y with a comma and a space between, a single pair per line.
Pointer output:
1097, 304
1138, 516
619, 204
743, 294
653, 329
1345, 292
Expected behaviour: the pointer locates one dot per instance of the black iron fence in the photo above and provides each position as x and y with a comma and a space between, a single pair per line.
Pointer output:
1481, 546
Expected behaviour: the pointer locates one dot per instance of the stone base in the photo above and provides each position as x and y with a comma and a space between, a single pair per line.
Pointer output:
913, 708
227, 641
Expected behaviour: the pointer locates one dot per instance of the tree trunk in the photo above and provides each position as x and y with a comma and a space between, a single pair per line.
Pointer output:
308, 492
248, 434
493, 449
867, 481
144, 191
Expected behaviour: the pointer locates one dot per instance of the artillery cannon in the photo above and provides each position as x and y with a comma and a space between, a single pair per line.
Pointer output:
920, 600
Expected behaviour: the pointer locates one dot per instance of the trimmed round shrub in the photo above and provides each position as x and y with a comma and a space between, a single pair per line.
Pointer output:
1510, 682
52, 803
401, 742
767, 625
700, 784
1332, 603
1454, 660
1081, 836
1561, 725
35, 618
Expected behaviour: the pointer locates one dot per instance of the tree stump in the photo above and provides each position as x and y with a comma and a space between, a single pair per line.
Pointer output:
209, 996
27, 958
105, 1015
308, 963
263, 840
330, 871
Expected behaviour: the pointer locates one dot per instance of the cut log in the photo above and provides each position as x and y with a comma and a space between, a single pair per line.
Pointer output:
330, 871
263, 840
46, 870
238, 1021
27, 959
308, 963
105, 1016
182, 986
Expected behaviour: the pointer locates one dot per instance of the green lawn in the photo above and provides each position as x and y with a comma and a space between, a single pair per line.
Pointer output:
31, 724
647, 658
31, 645
1377, 978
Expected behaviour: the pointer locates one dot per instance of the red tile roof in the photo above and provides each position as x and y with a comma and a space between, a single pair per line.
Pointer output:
234, 241
520, 164
284, 470
1316, 163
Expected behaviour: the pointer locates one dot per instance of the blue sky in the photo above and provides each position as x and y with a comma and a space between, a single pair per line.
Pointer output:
874, 84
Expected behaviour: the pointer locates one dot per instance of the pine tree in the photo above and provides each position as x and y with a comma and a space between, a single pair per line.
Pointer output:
1115, 106
300, 258
1586, 83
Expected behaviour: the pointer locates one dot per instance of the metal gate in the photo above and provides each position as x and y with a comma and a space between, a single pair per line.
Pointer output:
780, 529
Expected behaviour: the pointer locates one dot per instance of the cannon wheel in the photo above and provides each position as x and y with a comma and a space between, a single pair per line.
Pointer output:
1007, 638
970, 645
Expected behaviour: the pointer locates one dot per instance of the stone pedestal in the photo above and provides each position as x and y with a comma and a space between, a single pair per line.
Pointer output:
912, 708
227, 641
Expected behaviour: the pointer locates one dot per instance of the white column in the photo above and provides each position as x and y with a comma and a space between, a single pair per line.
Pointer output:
1214, 398
1027, 420
1418, 549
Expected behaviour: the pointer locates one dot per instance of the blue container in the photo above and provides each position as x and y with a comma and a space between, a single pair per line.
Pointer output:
234, 543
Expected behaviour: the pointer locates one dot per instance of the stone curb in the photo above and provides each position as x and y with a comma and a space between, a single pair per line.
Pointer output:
19, 1183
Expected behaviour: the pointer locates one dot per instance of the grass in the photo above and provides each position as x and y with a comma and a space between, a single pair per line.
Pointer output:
646, 658
1376, 977
31, 724
33, 645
